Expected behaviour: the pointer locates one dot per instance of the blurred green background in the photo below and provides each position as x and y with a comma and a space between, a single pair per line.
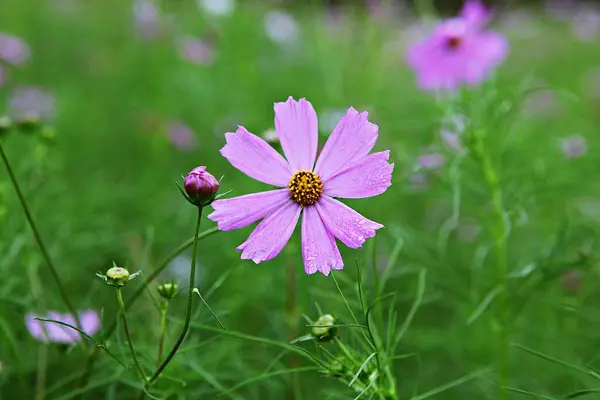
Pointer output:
138, 95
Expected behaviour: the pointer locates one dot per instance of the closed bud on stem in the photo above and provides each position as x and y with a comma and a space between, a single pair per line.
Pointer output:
117, 276
201, 187
168, 290
323, 330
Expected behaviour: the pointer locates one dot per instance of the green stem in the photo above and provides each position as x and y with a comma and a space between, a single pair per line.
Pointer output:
136, 295
188, 312
500, 233
163, 330
38, 239
128, 334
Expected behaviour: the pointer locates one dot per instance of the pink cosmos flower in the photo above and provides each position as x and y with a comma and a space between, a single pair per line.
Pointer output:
343, 169
47, 332
458, 52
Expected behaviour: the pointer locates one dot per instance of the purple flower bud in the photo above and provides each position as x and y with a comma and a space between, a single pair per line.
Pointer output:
201, 187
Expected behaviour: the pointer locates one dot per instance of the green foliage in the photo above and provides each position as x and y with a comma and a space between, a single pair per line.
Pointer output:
497, 246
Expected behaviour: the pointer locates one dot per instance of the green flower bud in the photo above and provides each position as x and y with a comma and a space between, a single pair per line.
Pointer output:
168, 291
323, 331
117, 276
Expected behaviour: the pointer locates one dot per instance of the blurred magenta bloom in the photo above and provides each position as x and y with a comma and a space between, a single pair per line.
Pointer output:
47, 332
195, 50
344, 169
431, 160
574, 146
458, 52
13, 50
30, 102
147, 18
181, 136
201, 186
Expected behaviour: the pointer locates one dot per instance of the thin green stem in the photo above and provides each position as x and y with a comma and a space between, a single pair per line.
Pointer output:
128, 335
38, 239
137, 294
163, 330
188, 312
500, 233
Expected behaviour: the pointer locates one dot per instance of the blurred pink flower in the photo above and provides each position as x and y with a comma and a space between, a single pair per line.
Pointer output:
181, 136
281, 27
574, 146
585, 24
458, 52
47, 332
431, 160
196, 50
30, 102
451, 141
475, 13
307, 186
146, 18
13, 50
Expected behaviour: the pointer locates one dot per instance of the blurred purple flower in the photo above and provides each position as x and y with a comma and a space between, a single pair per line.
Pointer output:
418, 181
47, 332
13, 50
451, 141
196, 50
574, 146
146, 18
181, 136
30, 102
541, 102
560, 9
431, 160
585, 24
217, 7
281, 27
458, 52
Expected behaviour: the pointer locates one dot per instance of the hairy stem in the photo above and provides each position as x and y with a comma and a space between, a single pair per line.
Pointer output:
38, 239
188, 311
136, 295
128, 335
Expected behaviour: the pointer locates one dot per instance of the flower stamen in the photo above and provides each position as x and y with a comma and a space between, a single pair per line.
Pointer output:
305, 188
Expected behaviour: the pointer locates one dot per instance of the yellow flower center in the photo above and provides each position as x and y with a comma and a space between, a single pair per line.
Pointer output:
305, 188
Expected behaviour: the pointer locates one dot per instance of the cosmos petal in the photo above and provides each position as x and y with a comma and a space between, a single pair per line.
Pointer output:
319, 250
353, 138
239, 212
90, 321
369, 176
272, 234
297, 127
255, 158
344, 223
